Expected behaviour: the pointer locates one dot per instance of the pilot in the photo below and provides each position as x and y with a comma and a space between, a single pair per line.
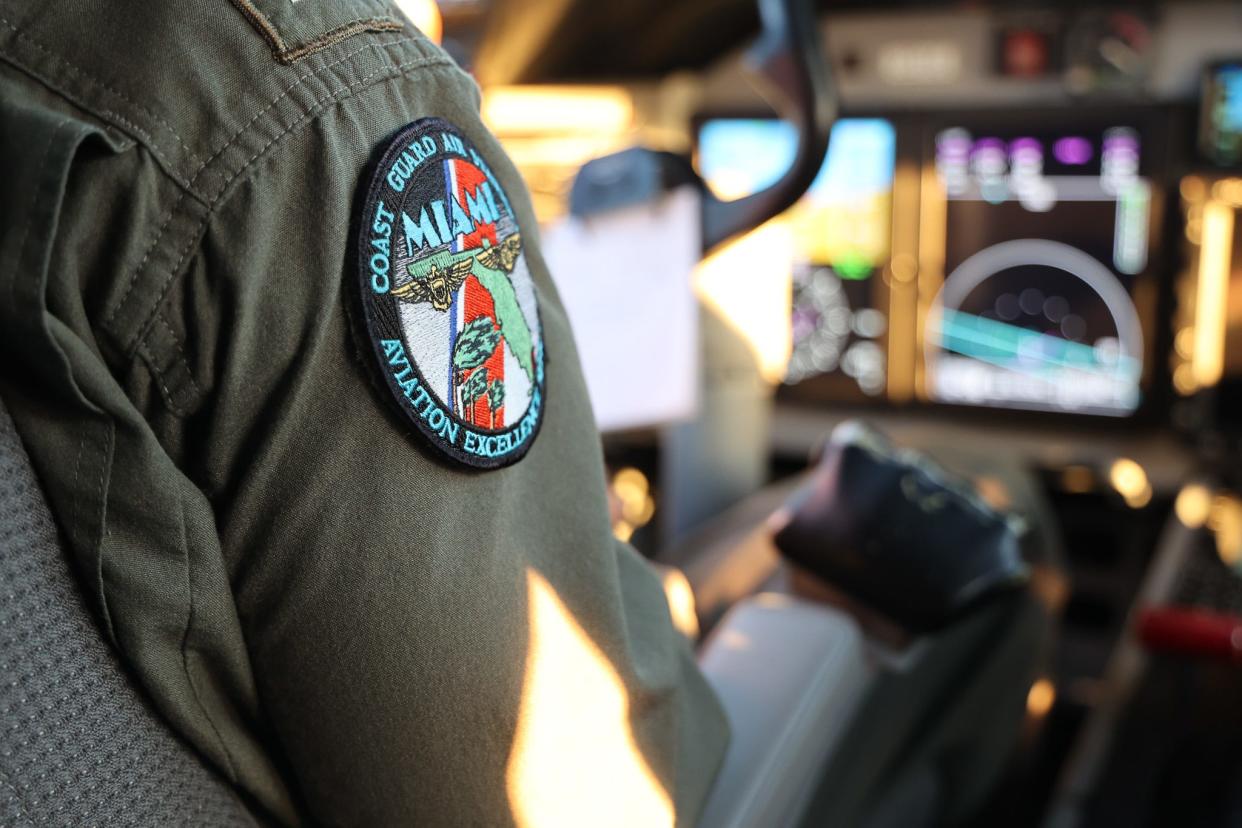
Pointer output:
280, 341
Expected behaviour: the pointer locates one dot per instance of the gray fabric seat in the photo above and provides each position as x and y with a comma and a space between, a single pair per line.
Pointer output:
79, 744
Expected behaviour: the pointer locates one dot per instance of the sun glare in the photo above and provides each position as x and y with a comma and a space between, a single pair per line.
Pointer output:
574, 759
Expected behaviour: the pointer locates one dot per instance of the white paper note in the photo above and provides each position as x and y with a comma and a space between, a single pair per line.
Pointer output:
625, 279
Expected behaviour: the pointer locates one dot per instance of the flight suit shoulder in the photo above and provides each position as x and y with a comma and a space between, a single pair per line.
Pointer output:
206, 91
192, 83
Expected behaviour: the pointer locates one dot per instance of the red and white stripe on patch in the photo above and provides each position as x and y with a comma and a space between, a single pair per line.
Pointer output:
463, 181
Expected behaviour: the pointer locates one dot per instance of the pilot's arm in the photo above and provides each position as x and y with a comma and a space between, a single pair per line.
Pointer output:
290, 365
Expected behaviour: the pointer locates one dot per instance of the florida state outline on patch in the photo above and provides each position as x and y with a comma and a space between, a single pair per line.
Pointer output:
447, 299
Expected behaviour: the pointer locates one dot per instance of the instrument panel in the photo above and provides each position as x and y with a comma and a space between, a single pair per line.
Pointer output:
841, 231
1046, 239
982, 260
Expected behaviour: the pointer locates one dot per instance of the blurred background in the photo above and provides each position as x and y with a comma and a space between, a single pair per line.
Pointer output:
1021, 256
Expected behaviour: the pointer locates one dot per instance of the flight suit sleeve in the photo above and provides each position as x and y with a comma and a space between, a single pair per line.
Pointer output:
352, 626
431, 642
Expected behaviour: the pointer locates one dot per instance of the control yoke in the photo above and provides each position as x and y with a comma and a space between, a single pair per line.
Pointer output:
790, 71
788, 66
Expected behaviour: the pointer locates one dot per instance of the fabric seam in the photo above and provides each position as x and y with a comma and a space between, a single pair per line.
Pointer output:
155, 240
286, 54
333, 97
185, 639
209, 202
288, 90
34, 200
73, 69
321, 104
148, 357
100, 488
101, 493
185, 362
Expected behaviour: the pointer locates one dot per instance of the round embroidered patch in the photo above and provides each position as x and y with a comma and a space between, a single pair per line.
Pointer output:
447, 299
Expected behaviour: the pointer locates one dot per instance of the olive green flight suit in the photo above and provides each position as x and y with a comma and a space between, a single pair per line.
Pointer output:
333, 615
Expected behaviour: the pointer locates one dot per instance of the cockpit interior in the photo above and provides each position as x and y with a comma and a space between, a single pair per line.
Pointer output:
1019, 256
912, 332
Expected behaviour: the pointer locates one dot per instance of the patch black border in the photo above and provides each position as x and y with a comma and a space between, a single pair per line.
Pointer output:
377, 320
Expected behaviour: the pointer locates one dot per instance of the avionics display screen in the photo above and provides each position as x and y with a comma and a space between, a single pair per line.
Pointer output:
1045, 249
841, 229
1220, 133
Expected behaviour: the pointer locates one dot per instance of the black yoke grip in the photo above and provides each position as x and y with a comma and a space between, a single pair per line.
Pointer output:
898, 534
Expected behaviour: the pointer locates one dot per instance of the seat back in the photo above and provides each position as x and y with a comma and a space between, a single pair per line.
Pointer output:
79, 743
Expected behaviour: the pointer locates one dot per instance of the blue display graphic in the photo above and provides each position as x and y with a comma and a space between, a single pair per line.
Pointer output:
842, 231
1039, 324
843, 221
740, 156
1221, 132
1230, 80
1046, 241
1041, 354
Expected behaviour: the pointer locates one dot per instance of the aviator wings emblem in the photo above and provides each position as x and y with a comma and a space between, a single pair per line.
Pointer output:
437, 286
504, 255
